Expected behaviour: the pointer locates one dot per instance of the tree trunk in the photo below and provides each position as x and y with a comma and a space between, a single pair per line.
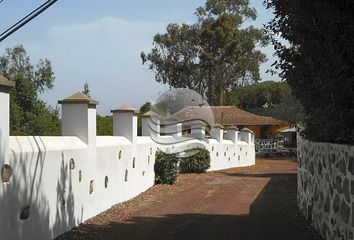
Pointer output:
221, 94
241, 88
220, 77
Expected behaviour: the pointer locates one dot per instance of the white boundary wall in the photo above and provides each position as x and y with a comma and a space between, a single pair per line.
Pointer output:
52, 175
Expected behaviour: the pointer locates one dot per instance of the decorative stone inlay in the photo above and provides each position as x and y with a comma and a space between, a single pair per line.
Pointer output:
338, 184
353, 216
341, 166
6, 173
326, 187
346, 190
351, 165
336, 203
327, 204
344, 211
320, 168
25, 213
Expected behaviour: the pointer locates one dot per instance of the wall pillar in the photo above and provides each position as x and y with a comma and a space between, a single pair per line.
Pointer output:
79, 117
198, 130
125, 122
172, 127
5, 119
246, 135
218, 132
232, 134
150, 125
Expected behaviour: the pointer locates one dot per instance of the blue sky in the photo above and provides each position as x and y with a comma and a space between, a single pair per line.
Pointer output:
100, 42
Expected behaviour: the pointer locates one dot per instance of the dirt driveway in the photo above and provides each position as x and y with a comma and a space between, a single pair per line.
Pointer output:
247, 203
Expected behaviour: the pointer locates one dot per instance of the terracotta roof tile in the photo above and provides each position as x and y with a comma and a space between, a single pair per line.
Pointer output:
226, 116
230, 115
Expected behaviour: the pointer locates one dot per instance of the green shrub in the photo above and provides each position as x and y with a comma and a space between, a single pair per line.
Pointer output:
166, 168
196, 163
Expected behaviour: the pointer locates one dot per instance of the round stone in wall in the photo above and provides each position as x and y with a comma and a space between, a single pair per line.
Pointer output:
106, 182
25, 213
6, 173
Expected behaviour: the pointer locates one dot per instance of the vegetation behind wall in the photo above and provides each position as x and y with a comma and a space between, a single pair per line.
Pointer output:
167, 166
197, 163
268, 98
28, 114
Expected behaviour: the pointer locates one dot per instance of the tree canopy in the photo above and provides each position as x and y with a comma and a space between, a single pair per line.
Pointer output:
212, 56
316, 59
269, 98
28, 114
104, 125
145, 108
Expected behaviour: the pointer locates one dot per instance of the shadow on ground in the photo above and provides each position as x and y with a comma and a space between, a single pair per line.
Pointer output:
273, 215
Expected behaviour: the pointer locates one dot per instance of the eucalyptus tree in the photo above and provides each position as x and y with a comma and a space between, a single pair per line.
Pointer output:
212, 56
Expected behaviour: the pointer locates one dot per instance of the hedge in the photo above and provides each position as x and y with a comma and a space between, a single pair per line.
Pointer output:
166, 168
196, 163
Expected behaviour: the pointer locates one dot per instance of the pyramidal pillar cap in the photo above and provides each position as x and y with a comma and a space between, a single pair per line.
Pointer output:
78, 98
125, 108
247, 130
217, 125
4, 82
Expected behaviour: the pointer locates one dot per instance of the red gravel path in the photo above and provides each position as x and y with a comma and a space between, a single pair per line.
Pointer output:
256, 202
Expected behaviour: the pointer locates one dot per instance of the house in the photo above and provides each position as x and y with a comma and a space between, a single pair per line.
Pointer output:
229, 116
263, 127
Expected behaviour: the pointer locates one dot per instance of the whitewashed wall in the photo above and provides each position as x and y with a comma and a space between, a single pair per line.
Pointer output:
58, 199
51, 176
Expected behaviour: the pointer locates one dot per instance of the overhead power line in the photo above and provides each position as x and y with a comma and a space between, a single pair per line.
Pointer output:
29, 17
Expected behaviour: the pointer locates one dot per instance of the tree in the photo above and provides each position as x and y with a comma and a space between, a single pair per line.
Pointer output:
174, 57
28, 114
229, 53
213, 55
289, 110
270, 99
145, 108
104, 125
317, 61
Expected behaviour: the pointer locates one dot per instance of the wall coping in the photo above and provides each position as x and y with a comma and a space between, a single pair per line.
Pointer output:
4, 82
78, 97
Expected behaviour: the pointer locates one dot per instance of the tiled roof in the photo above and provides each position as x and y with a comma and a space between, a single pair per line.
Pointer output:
230, 115
226, 116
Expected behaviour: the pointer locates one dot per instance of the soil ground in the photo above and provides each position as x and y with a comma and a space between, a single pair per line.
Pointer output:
252, 203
